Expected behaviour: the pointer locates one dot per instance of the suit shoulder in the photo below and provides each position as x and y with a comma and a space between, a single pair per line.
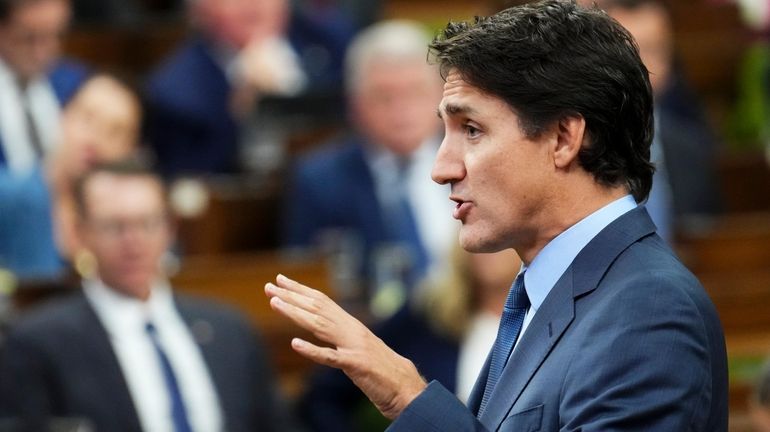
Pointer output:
66, 78
651, 273
331, 157
189, 75
51, 318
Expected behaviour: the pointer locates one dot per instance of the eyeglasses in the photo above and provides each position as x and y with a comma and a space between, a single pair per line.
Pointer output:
116, 228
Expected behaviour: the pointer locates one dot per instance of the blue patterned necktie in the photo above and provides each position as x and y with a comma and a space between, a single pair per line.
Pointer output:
178, 411
515, 309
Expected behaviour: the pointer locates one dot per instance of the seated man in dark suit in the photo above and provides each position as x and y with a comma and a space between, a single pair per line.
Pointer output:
199, 100
374, 185
126, 353
34, 81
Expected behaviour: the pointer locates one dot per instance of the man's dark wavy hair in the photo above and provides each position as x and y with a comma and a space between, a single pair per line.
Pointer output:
553, 59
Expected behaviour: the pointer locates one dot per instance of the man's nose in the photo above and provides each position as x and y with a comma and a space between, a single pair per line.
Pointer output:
448, 167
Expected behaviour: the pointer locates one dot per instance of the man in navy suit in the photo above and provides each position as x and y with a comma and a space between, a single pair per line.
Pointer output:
34, 81
200, 99
125, 353
548, 116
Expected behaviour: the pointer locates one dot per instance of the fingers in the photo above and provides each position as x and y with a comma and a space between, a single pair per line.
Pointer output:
292, 285
322, 355
294, 298
319, 325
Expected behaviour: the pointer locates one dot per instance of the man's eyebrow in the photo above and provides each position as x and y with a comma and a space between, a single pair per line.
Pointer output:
454, 109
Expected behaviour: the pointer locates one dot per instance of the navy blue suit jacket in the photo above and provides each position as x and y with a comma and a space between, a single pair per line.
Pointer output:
58, 362
334, 188
189, 124
66, 77
627, 340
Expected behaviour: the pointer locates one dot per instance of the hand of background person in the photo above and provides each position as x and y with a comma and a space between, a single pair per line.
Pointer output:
270, 66
389, 380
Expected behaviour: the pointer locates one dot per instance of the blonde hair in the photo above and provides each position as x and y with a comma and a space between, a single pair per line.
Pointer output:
448, 301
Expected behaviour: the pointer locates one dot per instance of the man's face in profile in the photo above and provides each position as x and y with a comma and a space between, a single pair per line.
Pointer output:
500, 178
30, 39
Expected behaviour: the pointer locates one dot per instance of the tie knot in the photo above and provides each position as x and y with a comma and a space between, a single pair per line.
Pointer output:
150, 328
517, 296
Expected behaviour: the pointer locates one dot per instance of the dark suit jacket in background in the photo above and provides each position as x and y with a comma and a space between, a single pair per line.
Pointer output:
58, 361
690, 150
627, 340
334, 189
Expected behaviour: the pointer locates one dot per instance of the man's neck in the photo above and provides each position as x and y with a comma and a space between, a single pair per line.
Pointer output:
566, 214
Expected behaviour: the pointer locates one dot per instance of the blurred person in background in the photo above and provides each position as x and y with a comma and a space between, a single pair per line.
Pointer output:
34, 80
447, 329
37, 216
684, 149
125, 352
375, 185
242, 50
759, 402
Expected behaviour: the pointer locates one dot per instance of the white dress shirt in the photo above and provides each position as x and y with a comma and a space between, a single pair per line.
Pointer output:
474, 349
45, 110
124, 318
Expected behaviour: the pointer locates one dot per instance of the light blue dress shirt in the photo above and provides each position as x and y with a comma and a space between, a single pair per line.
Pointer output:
551, 262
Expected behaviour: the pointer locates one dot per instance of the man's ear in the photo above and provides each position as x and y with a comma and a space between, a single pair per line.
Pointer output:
569, 139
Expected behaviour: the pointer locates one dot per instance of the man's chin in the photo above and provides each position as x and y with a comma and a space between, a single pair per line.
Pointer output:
134, 289
476, 243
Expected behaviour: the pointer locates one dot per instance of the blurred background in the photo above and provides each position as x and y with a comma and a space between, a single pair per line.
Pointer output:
250, 111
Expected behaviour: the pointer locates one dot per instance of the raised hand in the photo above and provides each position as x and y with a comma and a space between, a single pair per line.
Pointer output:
389, 380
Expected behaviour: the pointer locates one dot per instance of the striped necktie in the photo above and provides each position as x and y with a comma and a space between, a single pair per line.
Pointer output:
515, 309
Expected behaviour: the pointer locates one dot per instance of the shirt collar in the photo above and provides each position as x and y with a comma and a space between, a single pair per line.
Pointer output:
384, 164
121, 314
10, 78
551, 262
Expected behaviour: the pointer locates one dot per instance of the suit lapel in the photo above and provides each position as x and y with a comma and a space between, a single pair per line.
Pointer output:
474, 400
542, 334
557, 312
97, 347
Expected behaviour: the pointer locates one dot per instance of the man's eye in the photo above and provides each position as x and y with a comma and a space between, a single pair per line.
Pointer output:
471, 131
